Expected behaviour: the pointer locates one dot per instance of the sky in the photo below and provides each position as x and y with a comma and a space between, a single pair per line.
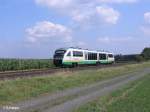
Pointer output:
36, 28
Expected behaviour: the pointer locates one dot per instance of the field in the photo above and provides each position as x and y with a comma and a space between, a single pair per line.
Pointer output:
132, 98
20, 89
24, 64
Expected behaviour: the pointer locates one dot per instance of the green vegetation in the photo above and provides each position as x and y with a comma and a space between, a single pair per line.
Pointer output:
132, 98
21, 89
144, 56
146, 53
24, 64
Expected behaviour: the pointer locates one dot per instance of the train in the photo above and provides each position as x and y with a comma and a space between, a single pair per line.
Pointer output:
77, 56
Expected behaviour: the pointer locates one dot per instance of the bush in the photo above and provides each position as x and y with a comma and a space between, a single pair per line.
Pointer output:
139, 58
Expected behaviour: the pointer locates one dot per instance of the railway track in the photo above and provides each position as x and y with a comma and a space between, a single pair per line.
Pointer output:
51, 71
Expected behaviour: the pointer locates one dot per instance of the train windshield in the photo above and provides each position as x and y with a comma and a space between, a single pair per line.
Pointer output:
59, 53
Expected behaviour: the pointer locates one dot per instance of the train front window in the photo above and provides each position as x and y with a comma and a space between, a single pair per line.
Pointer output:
69, 54
60, 53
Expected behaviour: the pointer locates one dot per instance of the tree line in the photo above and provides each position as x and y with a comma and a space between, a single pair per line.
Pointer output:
143, 56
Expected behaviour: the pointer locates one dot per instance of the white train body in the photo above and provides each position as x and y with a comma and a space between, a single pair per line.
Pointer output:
77, 56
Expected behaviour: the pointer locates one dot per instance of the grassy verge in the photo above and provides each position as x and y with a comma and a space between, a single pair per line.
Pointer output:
135, 97
20, 89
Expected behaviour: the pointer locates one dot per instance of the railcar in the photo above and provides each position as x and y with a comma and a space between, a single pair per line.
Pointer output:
77, 56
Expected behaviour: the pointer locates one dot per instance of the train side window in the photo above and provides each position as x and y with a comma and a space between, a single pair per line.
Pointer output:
102, 56
77, 53
69, 54
92, 56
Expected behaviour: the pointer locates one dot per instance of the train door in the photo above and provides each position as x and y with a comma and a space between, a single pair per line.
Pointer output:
86, 55
78, 57
103, 57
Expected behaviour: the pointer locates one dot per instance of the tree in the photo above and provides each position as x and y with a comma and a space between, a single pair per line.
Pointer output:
146, 53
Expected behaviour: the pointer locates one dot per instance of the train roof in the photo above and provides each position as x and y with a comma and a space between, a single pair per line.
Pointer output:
77, 48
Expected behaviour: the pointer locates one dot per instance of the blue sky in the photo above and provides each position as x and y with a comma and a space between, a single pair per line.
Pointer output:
35, 28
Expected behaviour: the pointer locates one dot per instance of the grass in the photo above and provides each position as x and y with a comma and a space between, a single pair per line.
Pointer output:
20, 89
135, 97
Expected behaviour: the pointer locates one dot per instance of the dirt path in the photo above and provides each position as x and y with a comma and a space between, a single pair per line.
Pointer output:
68, 100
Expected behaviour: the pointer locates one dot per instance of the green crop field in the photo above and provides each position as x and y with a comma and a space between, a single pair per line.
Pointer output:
21, 89
24, 64
135, 97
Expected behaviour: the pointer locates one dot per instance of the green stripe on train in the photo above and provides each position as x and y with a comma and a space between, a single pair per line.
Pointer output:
88, 62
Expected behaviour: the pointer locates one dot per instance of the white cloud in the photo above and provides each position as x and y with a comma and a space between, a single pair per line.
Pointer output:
99, 14
146, 28
55, 3
86, 12
147, 17
81, 15
108, 14
45, 30
69, 3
